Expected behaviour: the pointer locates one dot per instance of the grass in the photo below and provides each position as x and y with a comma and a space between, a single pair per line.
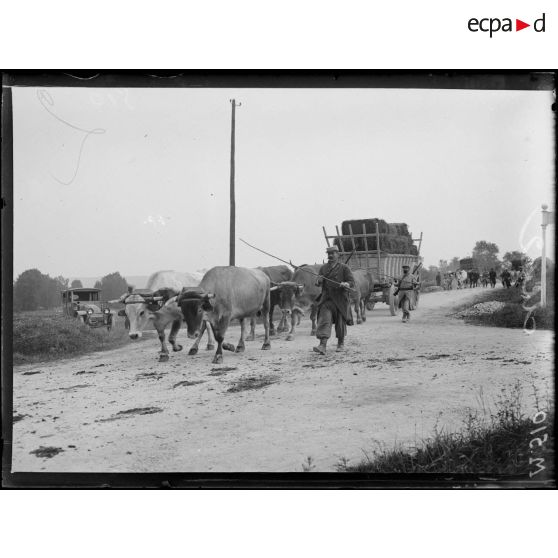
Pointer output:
42, 336
511, 314
501, 444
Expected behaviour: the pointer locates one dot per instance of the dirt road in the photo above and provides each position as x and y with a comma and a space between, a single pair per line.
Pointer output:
122, 411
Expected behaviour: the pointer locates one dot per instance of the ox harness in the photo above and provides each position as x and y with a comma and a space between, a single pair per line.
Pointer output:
154, 300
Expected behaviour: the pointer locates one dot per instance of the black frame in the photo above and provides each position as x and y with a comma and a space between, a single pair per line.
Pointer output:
498, 80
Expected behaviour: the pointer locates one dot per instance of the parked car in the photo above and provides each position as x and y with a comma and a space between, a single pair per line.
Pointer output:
85, 305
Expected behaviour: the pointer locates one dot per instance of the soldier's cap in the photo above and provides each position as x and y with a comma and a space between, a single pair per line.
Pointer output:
405, 267
330, 249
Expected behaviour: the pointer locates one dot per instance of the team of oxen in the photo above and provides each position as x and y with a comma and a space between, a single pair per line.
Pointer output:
210, 302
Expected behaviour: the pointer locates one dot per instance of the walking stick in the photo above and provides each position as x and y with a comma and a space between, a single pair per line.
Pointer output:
295, 266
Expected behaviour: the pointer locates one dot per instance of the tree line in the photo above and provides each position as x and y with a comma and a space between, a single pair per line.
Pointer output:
34, 290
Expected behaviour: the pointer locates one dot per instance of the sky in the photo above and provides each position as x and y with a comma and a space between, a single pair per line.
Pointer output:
137, 180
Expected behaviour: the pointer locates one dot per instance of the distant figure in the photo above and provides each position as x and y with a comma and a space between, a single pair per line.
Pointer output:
438, 279
506, 278
474, 278
454, 284
520, 279
406, 291
492, 277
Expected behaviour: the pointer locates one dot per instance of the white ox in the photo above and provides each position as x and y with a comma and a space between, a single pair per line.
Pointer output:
461, 276
156, 305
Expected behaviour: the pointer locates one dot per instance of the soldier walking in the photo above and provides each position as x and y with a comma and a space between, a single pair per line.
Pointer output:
492, 277
334, 305
406, 293
520, 280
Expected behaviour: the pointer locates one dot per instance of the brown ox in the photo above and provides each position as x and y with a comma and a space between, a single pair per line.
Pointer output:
305, 296
282, 293
364, 287
225, 294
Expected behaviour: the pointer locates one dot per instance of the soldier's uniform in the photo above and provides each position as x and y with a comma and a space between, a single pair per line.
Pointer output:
334, 302
406, 293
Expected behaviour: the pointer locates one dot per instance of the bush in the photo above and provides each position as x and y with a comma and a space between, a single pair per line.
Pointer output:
499, 445
42, 336
510, 312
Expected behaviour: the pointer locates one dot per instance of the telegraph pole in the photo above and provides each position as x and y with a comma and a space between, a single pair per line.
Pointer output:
233, 206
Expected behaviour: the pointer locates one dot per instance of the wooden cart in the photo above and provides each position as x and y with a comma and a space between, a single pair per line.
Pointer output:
385, 268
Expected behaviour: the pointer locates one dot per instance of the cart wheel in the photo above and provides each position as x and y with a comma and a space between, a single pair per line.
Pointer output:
392, 301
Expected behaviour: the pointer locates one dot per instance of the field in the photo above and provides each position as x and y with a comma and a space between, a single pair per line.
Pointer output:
46, 335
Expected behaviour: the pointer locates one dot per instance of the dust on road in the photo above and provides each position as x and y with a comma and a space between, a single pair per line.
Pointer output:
122, 411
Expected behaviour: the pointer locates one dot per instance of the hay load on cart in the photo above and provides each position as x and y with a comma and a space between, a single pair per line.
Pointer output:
392, 238
380, 248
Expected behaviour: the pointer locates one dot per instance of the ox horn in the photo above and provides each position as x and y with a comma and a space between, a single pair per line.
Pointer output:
273, 288
157, 298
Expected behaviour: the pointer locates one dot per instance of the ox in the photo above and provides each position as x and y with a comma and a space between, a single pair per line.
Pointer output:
364, 286
143, 307
461, 276
282, 293
156, 305
225, 294
305, 295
